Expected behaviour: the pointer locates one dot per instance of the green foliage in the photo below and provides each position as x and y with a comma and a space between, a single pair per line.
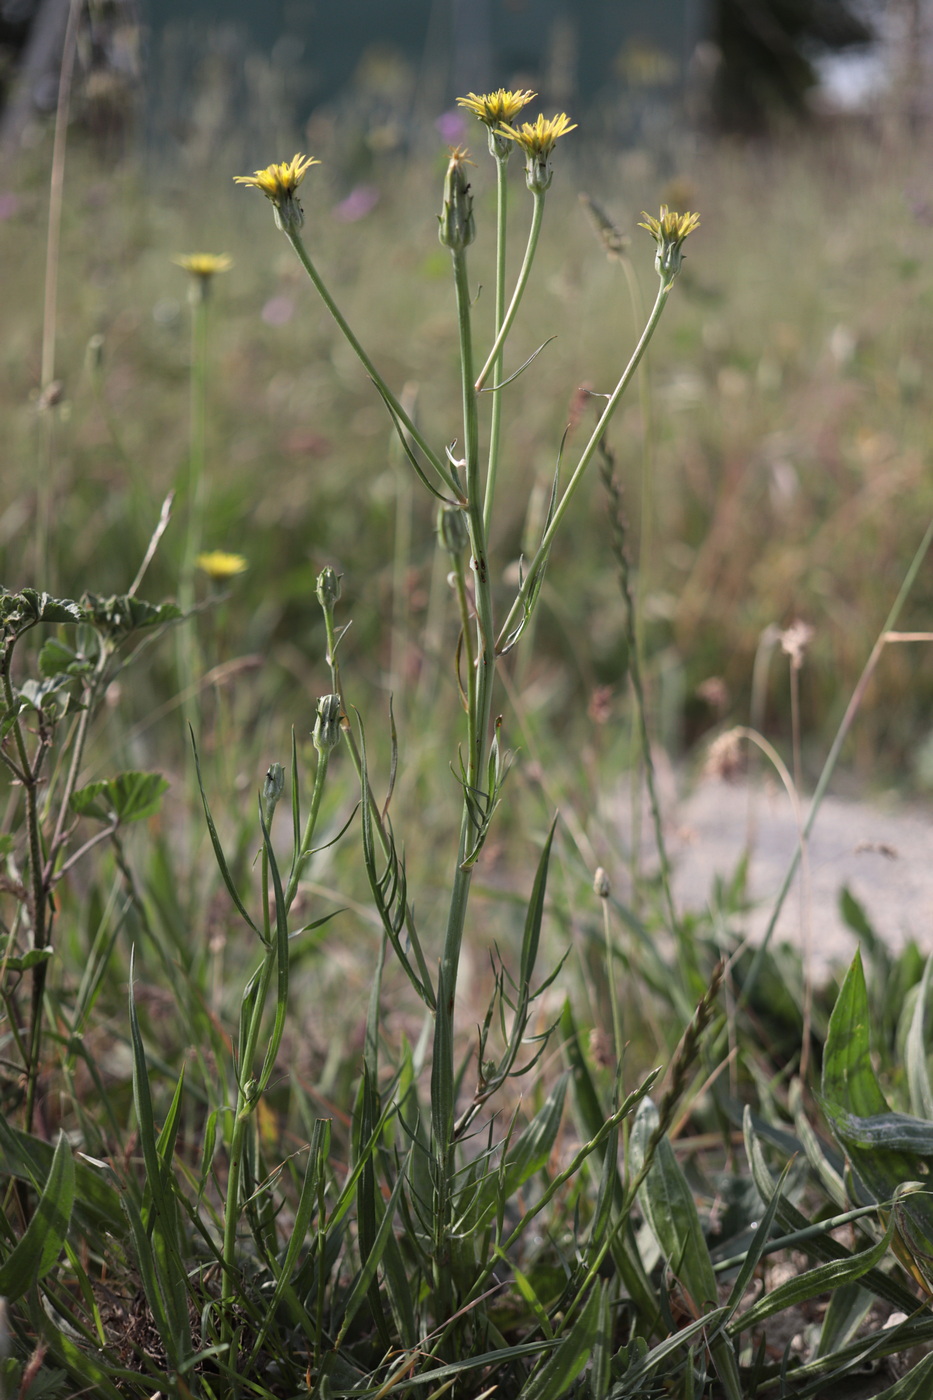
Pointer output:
305, 1142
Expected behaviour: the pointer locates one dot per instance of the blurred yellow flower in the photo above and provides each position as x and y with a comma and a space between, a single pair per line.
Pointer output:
670, 228
495, 108
538, 138
219, 565
203, 265
279, 182
669, 232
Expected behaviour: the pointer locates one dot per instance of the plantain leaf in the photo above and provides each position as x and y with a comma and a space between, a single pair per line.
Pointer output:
915, 1056
886, 1150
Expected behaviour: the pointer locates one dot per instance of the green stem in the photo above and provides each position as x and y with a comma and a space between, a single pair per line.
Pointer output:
536, 220
586, 457
485, 633
188, 651
495, 420
294, 237
469, 648
320, 777
246, 1101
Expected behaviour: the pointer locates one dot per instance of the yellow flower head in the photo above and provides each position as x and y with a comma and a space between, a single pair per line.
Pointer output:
279, 183
669, 232
496, 108
537, 139
204, 265
220, 566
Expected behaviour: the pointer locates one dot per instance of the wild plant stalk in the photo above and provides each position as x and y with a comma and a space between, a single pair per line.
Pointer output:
469, 501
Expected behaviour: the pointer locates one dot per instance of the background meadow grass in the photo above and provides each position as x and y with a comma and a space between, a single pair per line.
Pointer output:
786, 437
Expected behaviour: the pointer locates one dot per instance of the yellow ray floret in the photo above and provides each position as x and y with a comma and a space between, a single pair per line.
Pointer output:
670, 228
279, 182
219, 565
204, 264
538, 138
495, 108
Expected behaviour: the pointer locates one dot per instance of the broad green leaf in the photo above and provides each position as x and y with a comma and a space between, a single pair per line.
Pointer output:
814, 1239
811, 1284
129, 797
881, 1146
672, 1215
55, 658
30, 959
41, 607
123, 614
918, 1077
36, 1252
97, 1203
671, 1211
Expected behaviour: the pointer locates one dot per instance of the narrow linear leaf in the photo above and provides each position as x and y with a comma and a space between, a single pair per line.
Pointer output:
552, 1378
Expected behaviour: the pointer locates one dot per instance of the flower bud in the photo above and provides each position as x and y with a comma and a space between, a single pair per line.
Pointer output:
328, 588
456, 227
452, 529
272, 790
326, 733
601, 884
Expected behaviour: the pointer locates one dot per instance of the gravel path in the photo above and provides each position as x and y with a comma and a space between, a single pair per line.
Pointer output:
883, 853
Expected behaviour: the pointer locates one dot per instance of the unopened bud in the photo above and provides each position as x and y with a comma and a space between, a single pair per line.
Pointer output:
326, 733
328, 588
452, 529
272, 790
601, 883
456, 227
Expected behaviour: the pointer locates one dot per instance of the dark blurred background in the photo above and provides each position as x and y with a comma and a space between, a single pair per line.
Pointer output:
633, 67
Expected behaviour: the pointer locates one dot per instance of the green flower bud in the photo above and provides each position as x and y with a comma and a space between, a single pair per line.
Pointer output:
327, 725
328, 588
272, 790
452, 529
456, 227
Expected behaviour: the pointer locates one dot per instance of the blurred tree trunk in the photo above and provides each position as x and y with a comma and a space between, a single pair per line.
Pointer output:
35, 91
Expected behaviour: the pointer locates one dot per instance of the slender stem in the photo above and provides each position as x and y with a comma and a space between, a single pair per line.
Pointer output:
294, 237
44, 558
466, 631
320, 777
494, 354
246, 1100
495, 419
485, 654
586, 457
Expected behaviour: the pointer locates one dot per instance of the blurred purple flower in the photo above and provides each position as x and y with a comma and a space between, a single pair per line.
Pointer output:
358, 203
278, 310
452, 126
